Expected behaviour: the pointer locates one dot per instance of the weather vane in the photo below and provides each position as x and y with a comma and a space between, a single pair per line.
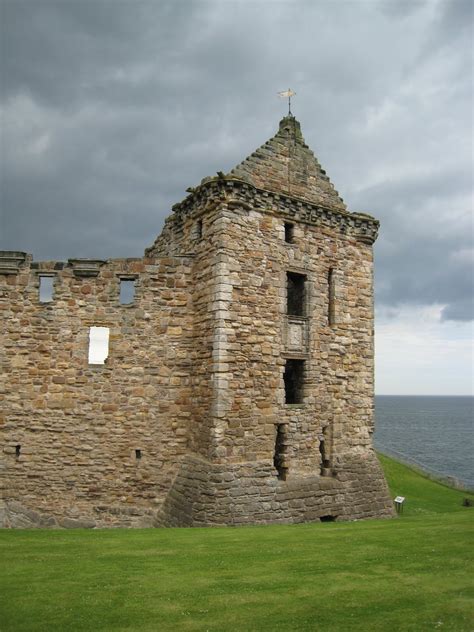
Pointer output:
287, 93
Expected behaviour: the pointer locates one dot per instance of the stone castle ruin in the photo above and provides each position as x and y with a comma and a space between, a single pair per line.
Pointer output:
235, 381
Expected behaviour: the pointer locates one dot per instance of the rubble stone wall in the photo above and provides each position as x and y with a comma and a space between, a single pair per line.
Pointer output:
79, 425
188, 421
205, 494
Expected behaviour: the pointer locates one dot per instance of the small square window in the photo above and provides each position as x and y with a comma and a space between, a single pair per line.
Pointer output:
289, 232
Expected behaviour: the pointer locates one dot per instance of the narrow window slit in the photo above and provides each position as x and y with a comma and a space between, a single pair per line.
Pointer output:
293, 379
295, 294
98, 344
325, 461
289, 232
279, 460
198, 229
18, 451
46, 288
127, 291
331, 299
138, 454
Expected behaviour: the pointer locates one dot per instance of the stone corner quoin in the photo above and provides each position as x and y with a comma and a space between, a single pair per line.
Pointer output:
225, 378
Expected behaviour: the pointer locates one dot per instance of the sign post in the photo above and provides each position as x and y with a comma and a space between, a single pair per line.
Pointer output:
399, 500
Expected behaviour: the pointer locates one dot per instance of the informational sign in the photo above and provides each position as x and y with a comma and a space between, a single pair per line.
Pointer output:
399, 500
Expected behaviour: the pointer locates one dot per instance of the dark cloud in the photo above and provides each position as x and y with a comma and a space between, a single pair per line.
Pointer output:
401, 8
111, 109
424, 251
462, 309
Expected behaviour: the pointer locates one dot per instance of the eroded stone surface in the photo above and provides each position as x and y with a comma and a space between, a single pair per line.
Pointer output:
178, 427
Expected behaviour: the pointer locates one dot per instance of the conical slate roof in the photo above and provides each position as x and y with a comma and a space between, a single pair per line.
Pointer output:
285, 164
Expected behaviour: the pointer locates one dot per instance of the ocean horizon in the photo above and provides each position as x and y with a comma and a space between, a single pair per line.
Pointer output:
434, 432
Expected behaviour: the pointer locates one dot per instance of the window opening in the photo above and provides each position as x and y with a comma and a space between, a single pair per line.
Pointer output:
295, 294
279, 461
325, 462
331, 298
17, 451
127, 291
138, 454
293, 378
197, 230
46, 288
289, 232
98, 345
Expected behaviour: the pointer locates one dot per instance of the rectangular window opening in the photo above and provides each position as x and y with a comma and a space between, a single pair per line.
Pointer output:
289, 232
279, 455
331, 298
46, 288
295, 294
127, 291
17, 451
138, 454
293, 378
98, 345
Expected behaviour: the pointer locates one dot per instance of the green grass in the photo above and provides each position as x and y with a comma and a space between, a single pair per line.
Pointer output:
410, 573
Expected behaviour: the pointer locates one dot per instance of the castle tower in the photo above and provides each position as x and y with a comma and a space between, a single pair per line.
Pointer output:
238, 384
284, 372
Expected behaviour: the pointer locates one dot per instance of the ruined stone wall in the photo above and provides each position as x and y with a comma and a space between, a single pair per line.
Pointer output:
238, 482
240, 262
194, 380
210, 494
79, 425
201, 232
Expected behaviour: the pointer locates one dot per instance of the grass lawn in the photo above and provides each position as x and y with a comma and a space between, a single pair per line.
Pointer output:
411, 573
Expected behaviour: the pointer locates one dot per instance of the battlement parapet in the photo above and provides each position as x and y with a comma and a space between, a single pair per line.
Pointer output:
236, 192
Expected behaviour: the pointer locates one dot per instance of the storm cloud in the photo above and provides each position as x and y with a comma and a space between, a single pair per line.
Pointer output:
110, 110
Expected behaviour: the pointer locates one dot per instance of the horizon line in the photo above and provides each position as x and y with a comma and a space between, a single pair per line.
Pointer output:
422, 395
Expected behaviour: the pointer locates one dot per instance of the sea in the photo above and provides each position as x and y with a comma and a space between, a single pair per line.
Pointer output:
435, 433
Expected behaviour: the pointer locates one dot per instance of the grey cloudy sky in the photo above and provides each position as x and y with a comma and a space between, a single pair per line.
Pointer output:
111, 109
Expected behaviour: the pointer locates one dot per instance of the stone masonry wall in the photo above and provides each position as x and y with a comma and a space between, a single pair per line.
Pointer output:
251, 325
285, 164
79, 425
188, 421
205, 494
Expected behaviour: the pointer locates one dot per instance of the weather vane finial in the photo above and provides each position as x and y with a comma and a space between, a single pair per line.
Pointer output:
287, 93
